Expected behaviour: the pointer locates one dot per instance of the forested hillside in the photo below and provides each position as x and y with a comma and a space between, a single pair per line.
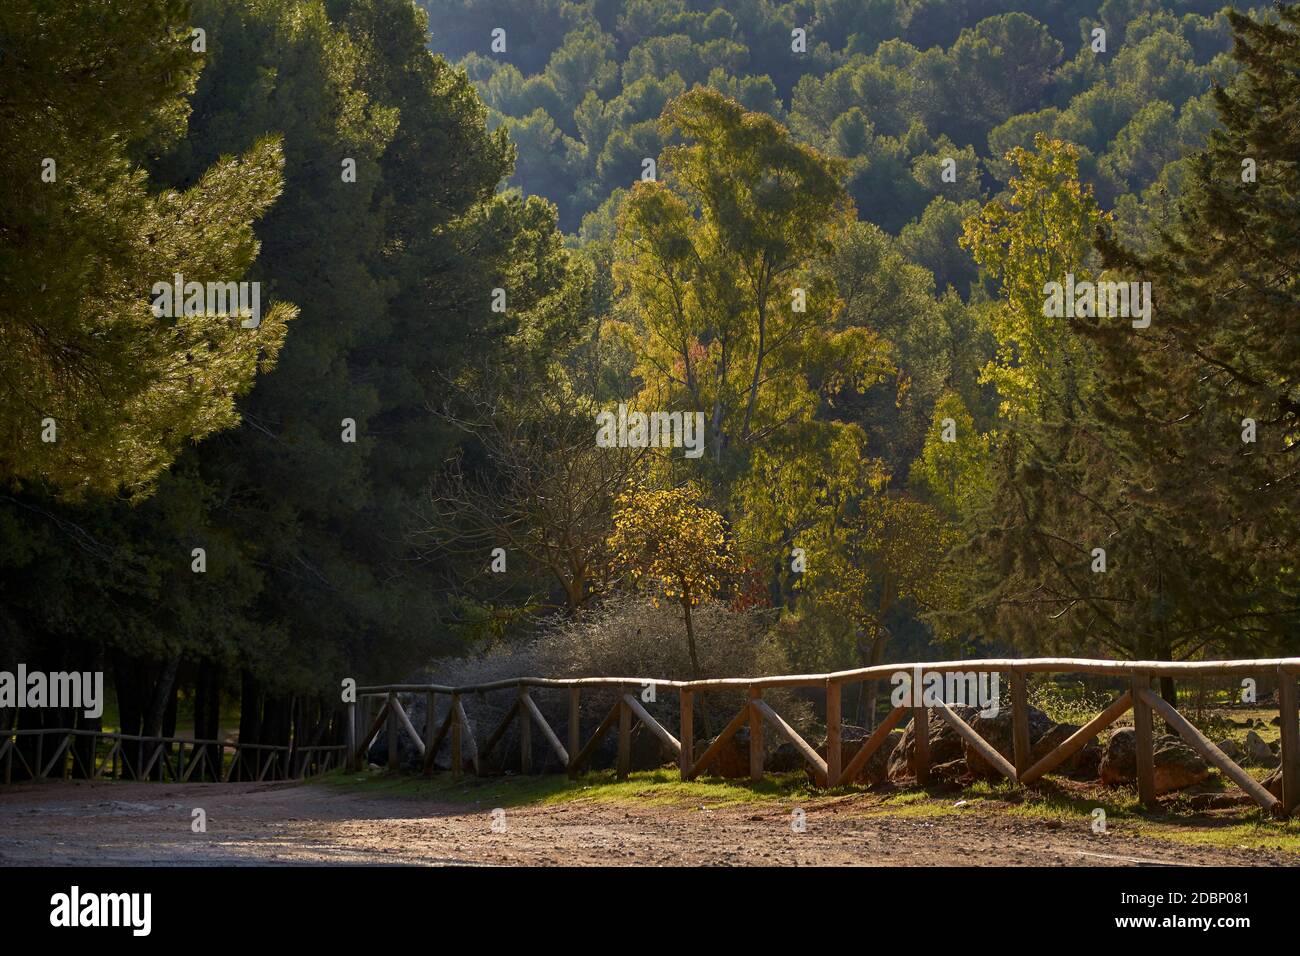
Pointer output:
958, 156
826, 229
893, 87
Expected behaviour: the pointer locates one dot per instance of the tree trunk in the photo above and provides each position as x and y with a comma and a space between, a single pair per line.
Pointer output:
878, 645
125, 681
695, 666
207, 715
1167, 689
162, 698
83, 763
690, 640
250, 722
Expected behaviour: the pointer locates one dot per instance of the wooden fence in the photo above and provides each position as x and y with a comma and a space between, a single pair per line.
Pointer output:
54, 755
830, 771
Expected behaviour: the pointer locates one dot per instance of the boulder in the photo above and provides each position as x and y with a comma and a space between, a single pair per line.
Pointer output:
648, 752
1231, 749
1273, 783
1082, 765
1257, 751
945, 744
732, 760
1219, 801
784, 759
408, 757
1177, 765
998, 732
876, 769
950, 771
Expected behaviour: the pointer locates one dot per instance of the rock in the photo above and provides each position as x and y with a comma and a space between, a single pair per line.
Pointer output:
1273, 783
950, 771
998, 732
732, 760
1258, 752
407, 756
876, 769
1177, 765
1219, 801
945, 744
1087, 763
1082, 765
1119, 758
785, 759
648, 751
1276, 721
1231, 749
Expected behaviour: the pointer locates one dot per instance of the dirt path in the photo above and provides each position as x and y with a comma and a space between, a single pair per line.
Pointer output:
79, 823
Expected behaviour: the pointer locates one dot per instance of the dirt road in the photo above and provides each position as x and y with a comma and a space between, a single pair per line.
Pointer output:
79, 823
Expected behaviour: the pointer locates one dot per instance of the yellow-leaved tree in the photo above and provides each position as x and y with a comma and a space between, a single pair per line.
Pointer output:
1043, 233
668, 542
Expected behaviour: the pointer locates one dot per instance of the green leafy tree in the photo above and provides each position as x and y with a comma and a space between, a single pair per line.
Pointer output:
1041, 233
97, 393
725, 261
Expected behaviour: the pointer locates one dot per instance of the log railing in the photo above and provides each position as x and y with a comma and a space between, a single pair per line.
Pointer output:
829, 771
55, 755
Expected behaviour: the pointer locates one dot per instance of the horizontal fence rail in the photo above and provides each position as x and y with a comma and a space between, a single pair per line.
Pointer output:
55, 754
828, 771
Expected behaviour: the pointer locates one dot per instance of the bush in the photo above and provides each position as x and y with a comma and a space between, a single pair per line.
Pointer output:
627, 637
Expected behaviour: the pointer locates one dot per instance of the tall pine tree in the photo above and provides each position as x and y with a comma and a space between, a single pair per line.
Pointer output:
1205, 404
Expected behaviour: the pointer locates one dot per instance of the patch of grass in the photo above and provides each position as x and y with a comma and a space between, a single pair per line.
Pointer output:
1069, 701
913, 803
1065, 805
651, 787
1253, 834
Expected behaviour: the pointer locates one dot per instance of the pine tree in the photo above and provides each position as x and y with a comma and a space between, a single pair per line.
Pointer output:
97, 392
1068, 554
1205, 404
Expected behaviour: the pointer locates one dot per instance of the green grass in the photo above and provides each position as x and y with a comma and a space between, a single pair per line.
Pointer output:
1254, 830
651, 787
1250, 834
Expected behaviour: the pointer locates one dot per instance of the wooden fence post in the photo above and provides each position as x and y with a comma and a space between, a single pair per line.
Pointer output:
687, 758
351, 738
363, 721
430, 731
390, 731
1144, 733
755, 736
1020, 722
575, 724
456, 760
921, 739
525, 733
624, 737
833, 725
1290, 716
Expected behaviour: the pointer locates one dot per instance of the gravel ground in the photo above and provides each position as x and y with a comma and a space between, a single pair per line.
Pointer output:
84, 824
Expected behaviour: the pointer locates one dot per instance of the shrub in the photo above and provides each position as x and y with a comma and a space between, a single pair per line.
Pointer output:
626, 637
